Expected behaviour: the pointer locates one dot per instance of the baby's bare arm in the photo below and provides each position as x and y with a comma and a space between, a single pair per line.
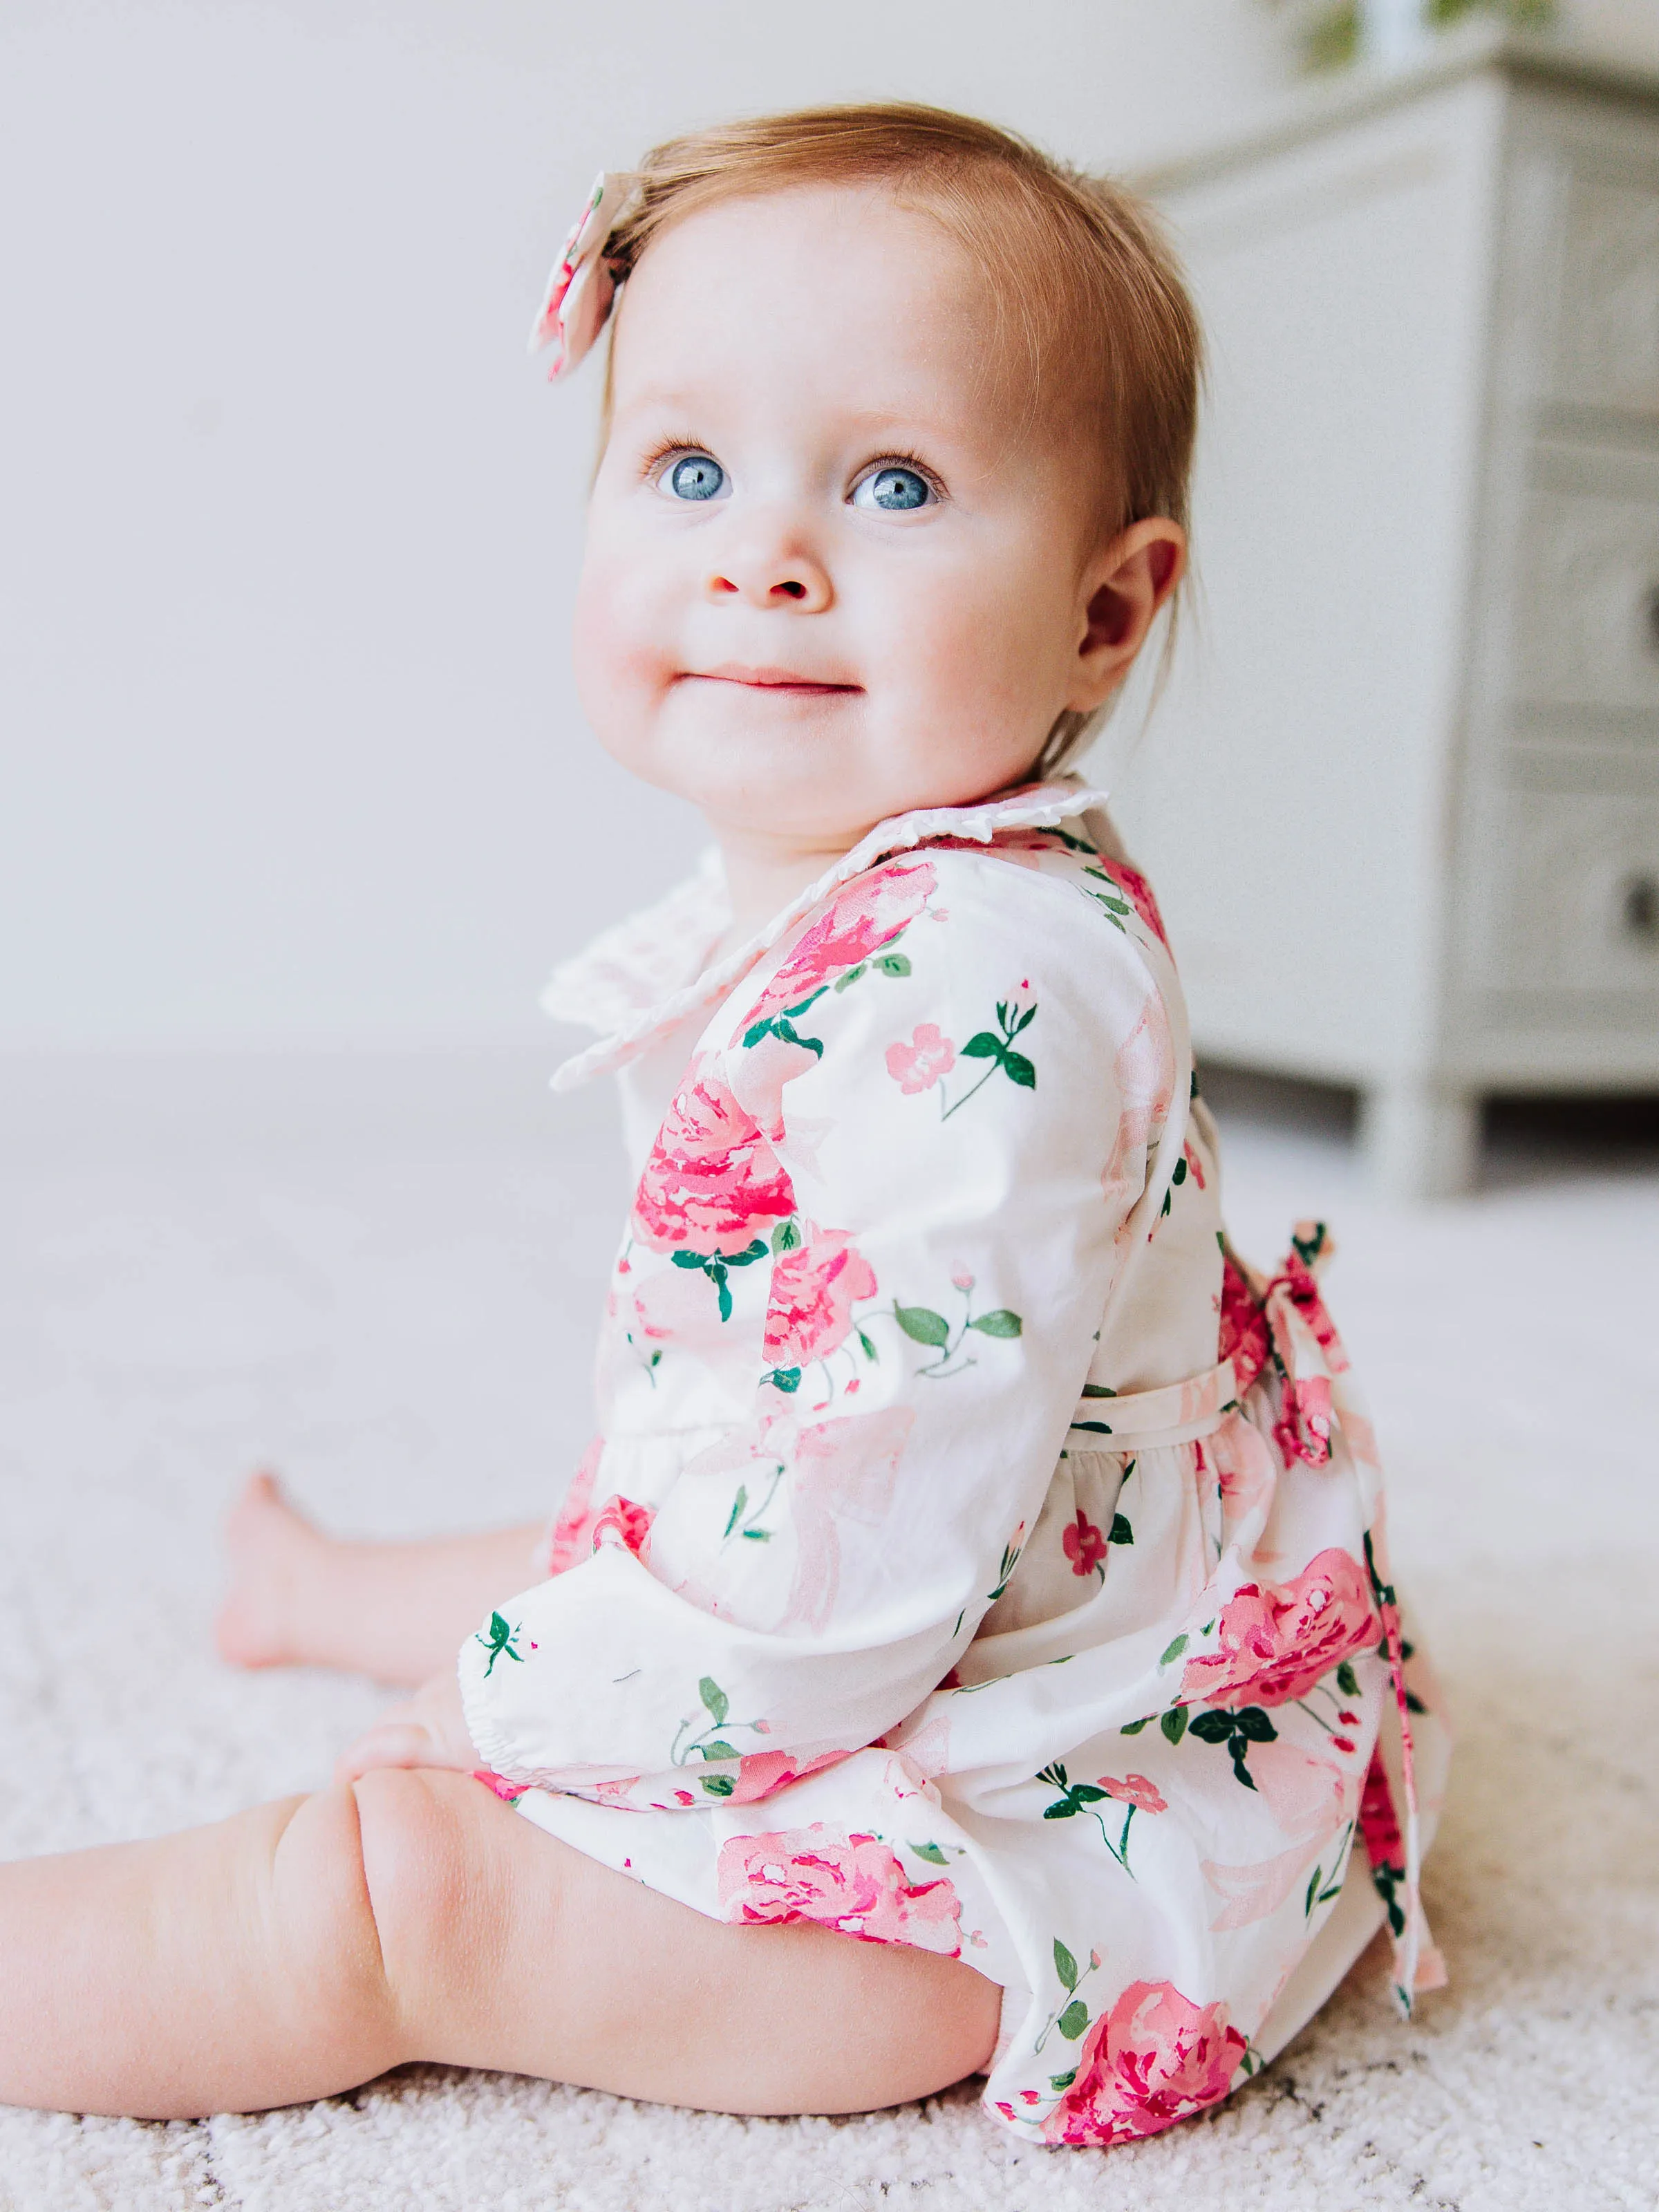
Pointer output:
397, 1611
303, 1948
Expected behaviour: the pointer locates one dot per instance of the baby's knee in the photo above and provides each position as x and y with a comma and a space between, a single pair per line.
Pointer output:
436, 1887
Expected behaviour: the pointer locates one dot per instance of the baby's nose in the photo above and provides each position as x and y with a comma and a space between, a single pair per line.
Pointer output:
774, 577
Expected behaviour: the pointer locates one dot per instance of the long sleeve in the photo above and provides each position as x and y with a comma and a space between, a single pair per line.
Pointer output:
867, 1262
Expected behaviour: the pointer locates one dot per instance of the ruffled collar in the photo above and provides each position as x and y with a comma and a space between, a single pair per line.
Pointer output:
647, 974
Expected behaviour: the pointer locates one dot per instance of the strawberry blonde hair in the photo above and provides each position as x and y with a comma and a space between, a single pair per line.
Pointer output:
1089, 309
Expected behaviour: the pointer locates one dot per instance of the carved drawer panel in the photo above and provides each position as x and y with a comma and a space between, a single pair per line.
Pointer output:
1576, 906
1588, 632
1607, 349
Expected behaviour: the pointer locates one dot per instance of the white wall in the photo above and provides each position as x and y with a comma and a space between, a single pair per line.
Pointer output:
289, 751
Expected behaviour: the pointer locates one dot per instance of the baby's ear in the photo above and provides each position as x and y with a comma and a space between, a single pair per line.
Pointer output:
1123, 588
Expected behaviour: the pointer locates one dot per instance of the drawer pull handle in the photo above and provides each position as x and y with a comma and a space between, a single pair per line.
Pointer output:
1638, 910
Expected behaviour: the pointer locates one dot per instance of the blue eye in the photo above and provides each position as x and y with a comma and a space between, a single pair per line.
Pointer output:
696, 475
894, 491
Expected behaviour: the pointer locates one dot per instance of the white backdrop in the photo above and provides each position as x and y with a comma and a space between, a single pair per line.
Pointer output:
289, 756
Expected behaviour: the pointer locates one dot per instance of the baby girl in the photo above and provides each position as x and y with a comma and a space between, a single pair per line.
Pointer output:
969, 1646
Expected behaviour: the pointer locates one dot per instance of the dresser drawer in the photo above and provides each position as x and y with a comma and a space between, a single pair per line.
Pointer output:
1575, 893
1607, 340
1588, 629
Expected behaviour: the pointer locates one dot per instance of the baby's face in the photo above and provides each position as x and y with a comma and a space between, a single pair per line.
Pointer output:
827, 578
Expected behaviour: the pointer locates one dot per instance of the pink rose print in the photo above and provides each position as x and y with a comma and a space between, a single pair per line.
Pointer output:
814, 1288
851, 1883
509, 1792
1243, 1326
1276, 1643
1302, 1430
1084, 1544
861, 917
712, 1178
1154, 2058
565, 1546
919, 1064
1134, 1790
1136, 889
620, 1520
761, 1773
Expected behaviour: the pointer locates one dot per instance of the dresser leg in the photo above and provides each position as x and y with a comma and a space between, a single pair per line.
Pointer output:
1421, 1139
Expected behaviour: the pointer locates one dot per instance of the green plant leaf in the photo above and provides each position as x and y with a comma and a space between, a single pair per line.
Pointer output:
922, 1325
755, 1032
785, 1237
1086, 1794
717, 1275
930, 1852
738, 1505
870, 1352
1179, 1175
749, 1254
1173, 1651
983, 1046
1019, 1070
689, 1259
716, 1703
1133, 1728
719, 1785
1174, 1724
894, 963
786, 1379
1313, 1892
1002, 1322
1062, 2080
1213, 1728
1241, 1773
1121, 1532
842, 983
1346, 1681
1250, 1721
1062, 1809
1097, 1390
757, 1535
1024, 1021
1074, 2020
717, 1750
1064, 1965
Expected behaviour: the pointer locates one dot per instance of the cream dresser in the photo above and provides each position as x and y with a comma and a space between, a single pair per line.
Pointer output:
1401, 800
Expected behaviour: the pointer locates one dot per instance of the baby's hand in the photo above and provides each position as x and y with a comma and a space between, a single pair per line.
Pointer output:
428, 1730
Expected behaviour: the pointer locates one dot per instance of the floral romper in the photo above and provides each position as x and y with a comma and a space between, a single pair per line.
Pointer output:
976, 1554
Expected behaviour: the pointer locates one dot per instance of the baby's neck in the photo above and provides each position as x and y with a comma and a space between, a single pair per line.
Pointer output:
763, 875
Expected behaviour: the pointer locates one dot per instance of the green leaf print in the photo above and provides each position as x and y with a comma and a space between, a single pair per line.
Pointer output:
998, 1049
1346, 1681
1173, 1651
1174, 1724
922, 1325
786, 1235
498, 1642
719, 1785
930, 1852
1062, 2080
1064, 1965
870, 1352
1002, 1322
1074, 2020
1237, 1731
738, 1505
782, 1025
715, 1701
1121, 1532
893, 963
1133, 1728
715, 1264
786, 1379
716, 1750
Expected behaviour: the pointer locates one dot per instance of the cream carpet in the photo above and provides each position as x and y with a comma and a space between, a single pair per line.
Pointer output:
406, 1333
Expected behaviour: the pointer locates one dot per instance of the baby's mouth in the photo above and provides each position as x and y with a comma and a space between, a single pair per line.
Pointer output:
767, 679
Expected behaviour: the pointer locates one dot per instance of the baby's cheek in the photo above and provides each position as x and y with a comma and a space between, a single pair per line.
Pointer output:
621, 665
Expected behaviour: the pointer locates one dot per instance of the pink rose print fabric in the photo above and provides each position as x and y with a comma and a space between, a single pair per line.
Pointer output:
850, 1883
975, 1553
1153, 2059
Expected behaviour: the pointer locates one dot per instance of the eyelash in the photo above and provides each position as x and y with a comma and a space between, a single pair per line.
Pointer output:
652, 464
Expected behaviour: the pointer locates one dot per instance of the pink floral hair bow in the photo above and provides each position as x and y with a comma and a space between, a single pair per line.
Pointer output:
582, 286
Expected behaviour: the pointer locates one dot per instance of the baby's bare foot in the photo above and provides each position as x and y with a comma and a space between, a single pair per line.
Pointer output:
273, 1551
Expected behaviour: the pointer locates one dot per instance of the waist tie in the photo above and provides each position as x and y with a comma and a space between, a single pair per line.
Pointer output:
1174, 1413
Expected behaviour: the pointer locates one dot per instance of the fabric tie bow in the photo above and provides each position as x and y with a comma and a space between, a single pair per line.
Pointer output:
582, 287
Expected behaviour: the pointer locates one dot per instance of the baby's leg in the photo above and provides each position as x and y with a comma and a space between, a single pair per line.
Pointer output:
398, 1611
304, 1947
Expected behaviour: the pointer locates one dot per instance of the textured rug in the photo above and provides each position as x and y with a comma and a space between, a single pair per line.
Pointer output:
407, 1338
